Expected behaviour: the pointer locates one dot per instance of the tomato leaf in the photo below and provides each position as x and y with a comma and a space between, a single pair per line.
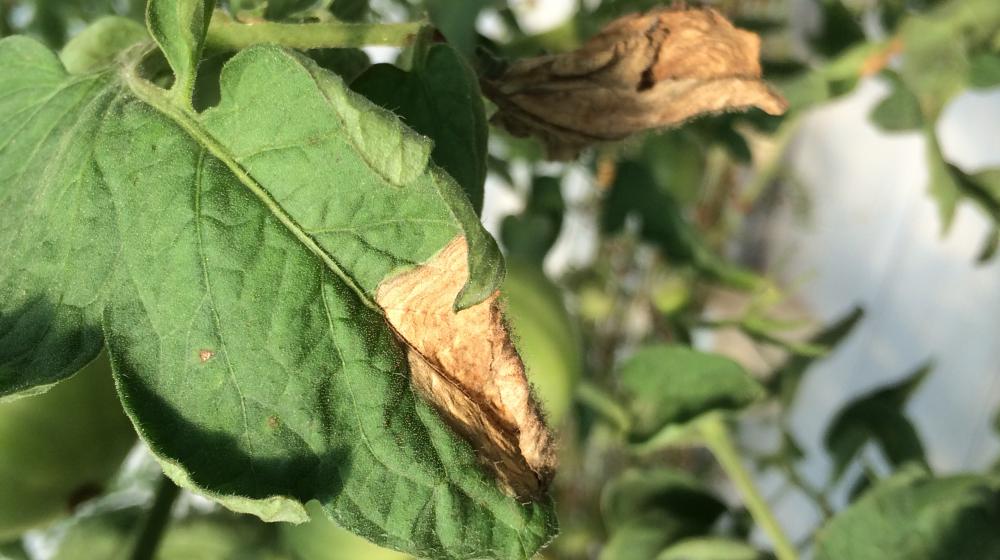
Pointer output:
900, 111
878, 416
915, 516
179, 28
646, 510
100, 43
440, 99
669, 386
232, 260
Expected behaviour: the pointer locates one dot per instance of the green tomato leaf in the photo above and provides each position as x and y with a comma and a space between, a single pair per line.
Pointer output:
457, 21
641, 539
710, 549
347, 63
935, 66
878, 416
57, 267
914, 516
670, 386
646, 510
283, 266
899, 111
60, 448
179, 28
440, 99
530, 235
840, 29
786, 379
99, 44
984, 71
945, 186
637, 493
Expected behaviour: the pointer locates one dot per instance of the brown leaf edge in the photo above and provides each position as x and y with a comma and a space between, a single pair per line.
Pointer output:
465, 364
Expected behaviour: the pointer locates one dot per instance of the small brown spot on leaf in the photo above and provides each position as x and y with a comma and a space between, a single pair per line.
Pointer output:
641, 72
205, 355
465, 365
273, 422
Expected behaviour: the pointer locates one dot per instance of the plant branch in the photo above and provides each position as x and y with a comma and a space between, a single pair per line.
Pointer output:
225, 34
721, 445
156, 521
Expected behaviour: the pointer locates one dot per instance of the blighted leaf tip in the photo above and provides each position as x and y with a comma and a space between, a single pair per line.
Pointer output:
465, 364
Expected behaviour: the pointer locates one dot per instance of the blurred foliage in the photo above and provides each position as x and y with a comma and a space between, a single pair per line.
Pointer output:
608, 344
878, 417
914, 515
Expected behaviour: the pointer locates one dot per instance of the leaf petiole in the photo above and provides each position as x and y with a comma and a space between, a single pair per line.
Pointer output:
717, 439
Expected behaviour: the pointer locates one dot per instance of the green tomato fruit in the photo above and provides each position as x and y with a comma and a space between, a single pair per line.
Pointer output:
60, 448
545, 336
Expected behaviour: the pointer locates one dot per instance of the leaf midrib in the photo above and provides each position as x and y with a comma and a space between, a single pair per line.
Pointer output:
161, 101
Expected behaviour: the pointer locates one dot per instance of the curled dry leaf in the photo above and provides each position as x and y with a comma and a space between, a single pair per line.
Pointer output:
465, 364
643, 71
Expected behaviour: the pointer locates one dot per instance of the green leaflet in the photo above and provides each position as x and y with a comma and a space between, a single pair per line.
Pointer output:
242, 247
878, 416
57, 243
99, 44
900, 110
646, 510
179, 28
672, 387
913, 516
440, 99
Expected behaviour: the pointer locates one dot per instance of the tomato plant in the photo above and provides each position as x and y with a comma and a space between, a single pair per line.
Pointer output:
233, 245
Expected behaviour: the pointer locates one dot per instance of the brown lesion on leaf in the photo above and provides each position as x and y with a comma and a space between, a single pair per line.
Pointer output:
465, 364
204, 355
641, 72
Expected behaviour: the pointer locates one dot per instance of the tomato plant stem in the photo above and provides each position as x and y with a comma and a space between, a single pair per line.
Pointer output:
228, 35
719, 442
156, 522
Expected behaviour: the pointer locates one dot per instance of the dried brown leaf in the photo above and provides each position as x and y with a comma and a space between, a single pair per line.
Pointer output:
465, 364
641, 72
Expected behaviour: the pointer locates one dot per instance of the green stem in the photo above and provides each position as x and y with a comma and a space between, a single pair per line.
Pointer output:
227, 35
816, 495
156, 521
717, 438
